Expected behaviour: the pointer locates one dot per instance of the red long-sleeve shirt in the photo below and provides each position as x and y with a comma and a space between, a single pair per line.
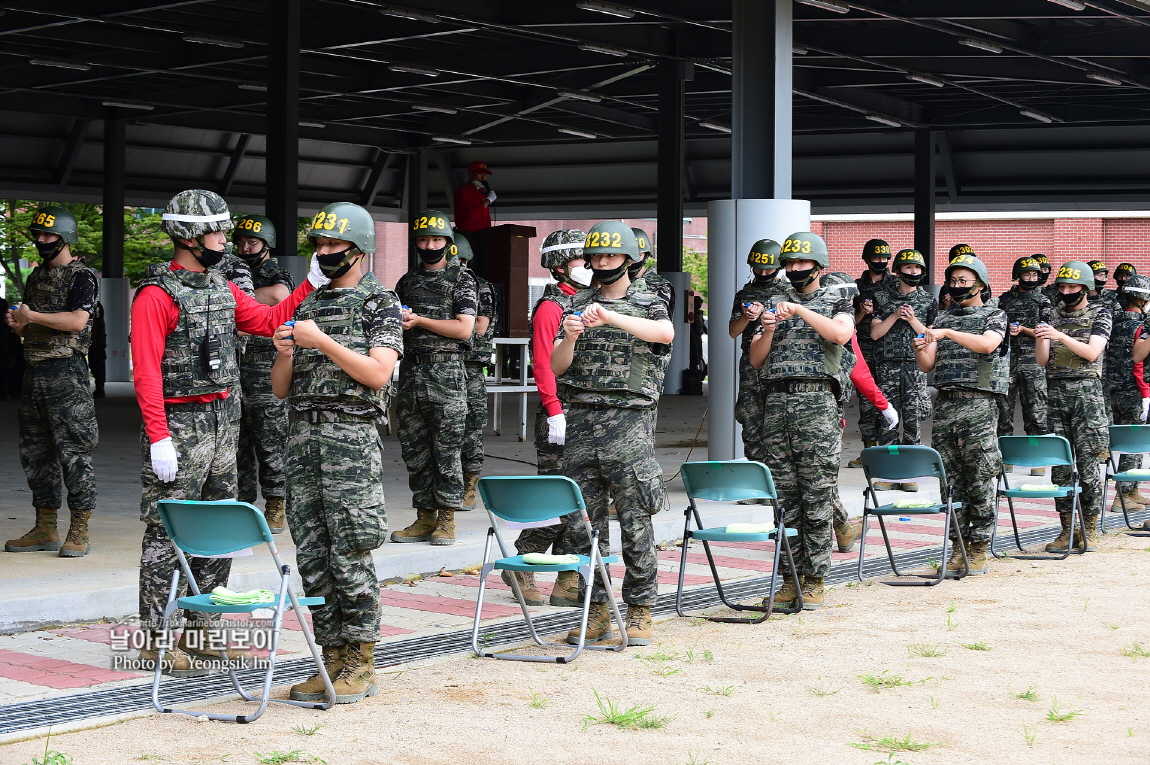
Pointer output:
154, 317
544, 329
470, 212
1139, 367
864, 381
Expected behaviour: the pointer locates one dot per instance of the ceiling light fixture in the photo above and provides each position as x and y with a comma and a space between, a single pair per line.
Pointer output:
604, 49
434, 108
251, 86
716, 126
403, 13
1104, 78
577, 133
128, 105
580, 95
609, 8
451, 139
797, 51
1036, 115
971, 42
414, 69
1074, 5
223, 42
61, 63
312, 124
827, 5
883, 120
926, 79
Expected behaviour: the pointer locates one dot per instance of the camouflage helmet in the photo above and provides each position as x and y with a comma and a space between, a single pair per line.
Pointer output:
431, 223
1097, 266
611, 237
1124, 271
842, 283
1075, 272
909, 257
195, 212
804, 245
258, 226
959, 249
1137, 287
764, 255
561, 246
345, 221
460, 249
971, 263
875, 248
1023, 264
56, 220
642, 240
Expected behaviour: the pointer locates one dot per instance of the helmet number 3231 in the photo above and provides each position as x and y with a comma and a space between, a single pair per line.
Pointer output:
327, 221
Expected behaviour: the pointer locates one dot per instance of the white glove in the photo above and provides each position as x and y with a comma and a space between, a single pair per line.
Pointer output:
557, 429
891, 415
164, 460
1145, 408
315, 275
491, 196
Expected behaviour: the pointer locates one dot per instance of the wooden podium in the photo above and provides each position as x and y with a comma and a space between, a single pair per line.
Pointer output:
502, 257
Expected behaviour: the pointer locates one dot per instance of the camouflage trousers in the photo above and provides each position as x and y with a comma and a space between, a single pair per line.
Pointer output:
1027, 383
263, 432
965, 436
749, 409
803, 438
1077, 412
431, 409
871, 422
204, 435
904, 385
58, 433
337, 517
610, 452
472, 453
567, 537
1126, 405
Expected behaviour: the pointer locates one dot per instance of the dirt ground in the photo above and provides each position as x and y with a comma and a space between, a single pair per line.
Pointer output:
975, 669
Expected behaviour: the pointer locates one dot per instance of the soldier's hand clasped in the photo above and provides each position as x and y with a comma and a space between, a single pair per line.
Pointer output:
283, 339
752, 311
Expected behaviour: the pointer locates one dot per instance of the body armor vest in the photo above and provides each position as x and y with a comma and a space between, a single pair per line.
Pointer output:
317, 381
552, 294
1118, 363
46, 291
608, 360
799, 352
1065, 363
757, 293
898, 343
261, 351
867, 290
958, 367
482, 346
652, 282
1025, 308
199, 354
430, 294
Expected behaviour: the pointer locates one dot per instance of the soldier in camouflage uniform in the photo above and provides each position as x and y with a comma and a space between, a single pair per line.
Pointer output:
766, 283
184, 321
333, 365
58, 429
1121, 274
477, 359
1070, 347
966, 348
901, 313
876, 255
1124, 379
263, 418
610, 376
801, 357
651, 279
1026, 307
439, 303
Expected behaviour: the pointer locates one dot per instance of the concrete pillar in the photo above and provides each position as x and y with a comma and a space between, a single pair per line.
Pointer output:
282, 163
114, 288
924, 198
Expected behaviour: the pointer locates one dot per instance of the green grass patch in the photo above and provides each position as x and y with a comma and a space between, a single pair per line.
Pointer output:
883, 681
635, 718
891, 744
926, 650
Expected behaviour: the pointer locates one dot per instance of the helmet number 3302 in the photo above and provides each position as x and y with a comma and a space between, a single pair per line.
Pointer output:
328, 222
797, 245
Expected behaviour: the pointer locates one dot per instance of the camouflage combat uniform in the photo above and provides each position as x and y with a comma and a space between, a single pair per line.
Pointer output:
965, 432
334, 461
749, 404
614, 380
263, 419
431, 405
1027, 379
1118, 376
897, 373
58, 431
1076, 408
1109, 301
802, 381
652, 282
475, 362
871, 422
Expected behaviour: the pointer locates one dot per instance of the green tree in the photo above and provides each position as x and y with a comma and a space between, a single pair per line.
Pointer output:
695, 263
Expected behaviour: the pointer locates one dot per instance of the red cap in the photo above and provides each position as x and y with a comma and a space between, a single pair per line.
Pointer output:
478, 167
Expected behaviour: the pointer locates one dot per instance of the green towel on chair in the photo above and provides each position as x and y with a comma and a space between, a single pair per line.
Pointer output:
543, 559
222, 596
908, 503
750, 528
1038, 487
1139, 471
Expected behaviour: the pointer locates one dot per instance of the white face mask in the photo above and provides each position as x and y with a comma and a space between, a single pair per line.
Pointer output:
581, 275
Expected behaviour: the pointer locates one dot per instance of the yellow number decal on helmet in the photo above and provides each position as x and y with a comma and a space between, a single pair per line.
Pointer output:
453, 251
1069, 273
44, 219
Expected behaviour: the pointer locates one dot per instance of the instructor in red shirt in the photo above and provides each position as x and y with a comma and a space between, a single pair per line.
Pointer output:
473, 200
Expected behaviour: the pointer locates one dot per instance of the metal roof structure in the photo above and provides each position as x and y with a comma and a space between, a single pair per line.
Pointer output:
1034, 103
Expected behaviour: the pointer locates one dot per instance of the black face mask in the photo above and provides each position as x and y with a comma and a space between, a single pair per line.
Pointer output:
1027, 286
430, 256
1042, 277
960, 294
766, 278
336, 264
1072, 299
877, 266
912, 280
1099, 284
801, 279
254, 259
208, 258
609, 275
49, 250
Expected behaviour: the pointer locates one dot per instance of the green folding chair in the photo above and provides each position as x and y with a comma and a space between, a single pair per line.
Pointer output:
731, 481
897, 464
1125, 439
1035, 451
218, 528
533, 499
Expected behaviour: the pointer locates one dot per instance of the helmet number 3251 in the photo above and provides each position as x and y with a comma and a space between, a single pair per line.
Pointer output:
328, 222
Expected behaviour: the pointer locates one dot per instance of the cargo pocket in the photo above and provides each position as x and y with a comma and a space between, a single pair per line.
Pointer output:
362, 522
649, 492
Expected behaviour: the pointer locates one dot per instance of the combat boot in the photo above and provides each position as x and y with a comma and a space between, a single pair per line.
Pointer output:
857, 461
1091, 534
531, 594
787, 594
1060, 544
1132, 500
43, 535
813, 593
76, 545
420, 531
979, 563
910, 487
356, 679
1142, 498
1038, 471
639, 625
847, 534
176, 662
313, 688
955, 566
274, 514
598, 625
469, 483
565, 593
886, 486
444, 533
205, 644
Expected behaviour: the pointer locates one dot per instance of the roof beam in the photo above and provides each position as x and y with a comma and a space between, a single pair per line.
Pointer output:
71, 150
234, 161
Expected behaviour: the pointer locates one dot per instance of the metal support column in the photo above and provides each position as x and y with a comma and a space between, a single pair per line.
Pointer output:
924, 180
669, 246
416, 196
282, 163
113, 285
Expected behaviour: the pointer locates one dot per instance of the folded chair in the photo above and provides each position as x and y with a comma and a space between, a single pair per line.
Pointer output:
729, 482
896, 464
218, 528
1036, 451
1127, 439
530, 499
